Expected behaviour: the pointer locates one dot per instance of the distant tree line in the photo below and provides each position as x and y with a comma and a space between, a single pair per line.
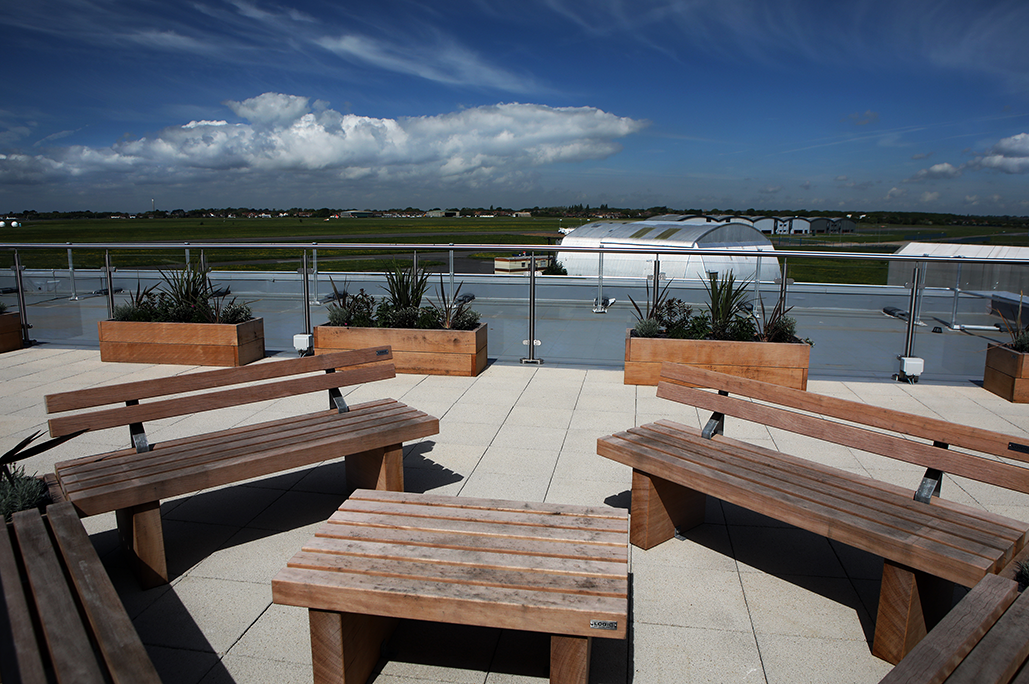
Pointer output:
578, 211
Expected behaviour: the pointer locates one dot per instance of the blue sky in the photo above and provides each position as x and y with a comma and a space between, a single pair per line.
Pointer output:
724, 104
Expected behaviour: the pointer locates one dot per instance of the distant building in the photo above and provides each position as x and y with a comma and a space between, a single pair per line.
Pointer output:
441, 213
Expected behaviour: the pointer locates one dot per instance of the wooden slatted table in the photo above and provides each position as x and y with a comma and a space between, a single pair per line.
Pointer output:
555, 569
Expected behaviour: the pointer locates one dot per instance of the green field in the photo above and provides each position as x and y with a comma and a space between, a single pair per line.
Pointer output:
441, 231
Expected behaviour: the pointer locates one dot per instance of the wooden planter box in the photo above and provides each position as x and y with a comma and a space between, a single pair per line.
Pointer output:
780, 363
189, 344
10, 331
1007, 374
432, 352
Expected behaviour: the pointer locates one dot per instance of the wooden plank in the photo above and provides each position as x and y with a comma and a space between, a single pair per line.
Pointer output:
1001, 652
559, 548
839, 490
67, 642
859, 490
956, 463
995, 443
933, 659
381, 468
816, 517
127, 660
195, 382
537, 611
480, 558
20, 653
142, 538
170, 456
570, 659
414, 509
431, 570
486, 505
224, 469
911, 602
180, 406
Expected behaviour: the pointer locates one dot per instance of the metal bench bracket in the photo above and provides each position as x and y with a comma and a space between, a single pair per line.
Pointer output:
932, 481
136, 432
716, 423
336, 397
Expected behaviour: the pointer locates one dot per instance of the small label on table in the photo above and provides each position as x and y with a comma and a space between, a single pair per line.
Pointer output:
604, 624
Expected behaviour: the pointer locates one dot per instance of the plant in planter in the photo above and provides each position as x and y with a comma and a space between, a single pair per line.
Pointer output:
1007, 366
720, 338
18, 491
442, 337
185, 320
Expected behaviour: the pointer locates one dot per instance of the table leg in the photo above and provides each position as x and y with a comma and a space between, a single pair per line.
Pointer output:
569, 659
911, 602
659, 507
345, 647
377, 469
142, 538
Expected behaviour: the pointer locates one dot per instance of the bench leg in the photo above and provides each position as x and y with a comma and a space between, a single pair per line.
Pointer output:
659, 507
377, 469
911, 602
345, 647
142, 538
570, 659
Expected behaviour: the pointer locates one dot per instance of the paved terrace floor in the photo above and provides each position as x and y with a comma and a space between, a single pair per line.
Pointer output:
741, 598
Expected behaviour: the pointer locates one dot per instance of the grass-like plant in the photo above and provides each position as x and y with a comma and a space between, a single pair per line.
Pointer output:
650, 307
348, 309
727, 308
1018, 333
405, 287
186, 296
454, 313
19, 491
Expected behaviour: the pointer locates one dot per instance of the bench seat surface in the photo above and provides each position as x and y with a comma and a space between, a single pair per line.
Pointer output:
538, 567
948, 540
125, 478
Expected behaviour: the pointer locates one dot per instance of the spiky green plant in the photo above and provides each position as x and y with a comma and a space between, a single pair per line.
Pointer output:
405, 287
727, 305
19, 491
453, 313
652, 307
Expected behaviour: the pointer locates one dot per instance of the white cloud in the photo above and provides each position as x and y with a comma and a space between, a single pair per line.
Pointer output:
941, 171
896, 193
491, 145
1010, 155
928, 197
972, 200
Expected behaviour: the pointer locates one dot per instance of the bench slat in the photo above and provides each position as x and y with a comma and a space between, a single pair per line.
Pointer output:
978, 439
195, 382
389, 519
867, 535
195, 476
415, 513
19, 652
965, 465
432, 571
465, 557
168, 456
539, 547
67, 642
127, 659
854, 487
850, 507
180, 406
1002, 650
556, 613
443, 502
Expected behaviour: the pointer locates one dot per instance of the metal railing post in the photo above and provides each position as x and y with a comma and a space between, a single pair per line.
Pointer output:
314, 268
307, 296
783, 285
22, 313
532, 342
598, 305
108, 273
71, 277
451, 273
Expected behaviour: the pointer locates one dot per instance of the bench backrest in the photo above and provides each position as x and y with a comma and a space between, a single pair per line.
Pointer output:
214, 389
867, 428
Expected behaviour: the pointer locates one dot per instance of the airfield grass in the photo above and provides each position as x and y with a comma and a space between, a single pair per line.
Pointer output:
311, 233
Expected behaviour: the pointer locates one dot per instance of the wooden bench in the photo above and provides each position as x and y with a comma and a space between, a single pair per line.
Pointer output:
60, 617
551, 568
984, 639
133, 481
927, 543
